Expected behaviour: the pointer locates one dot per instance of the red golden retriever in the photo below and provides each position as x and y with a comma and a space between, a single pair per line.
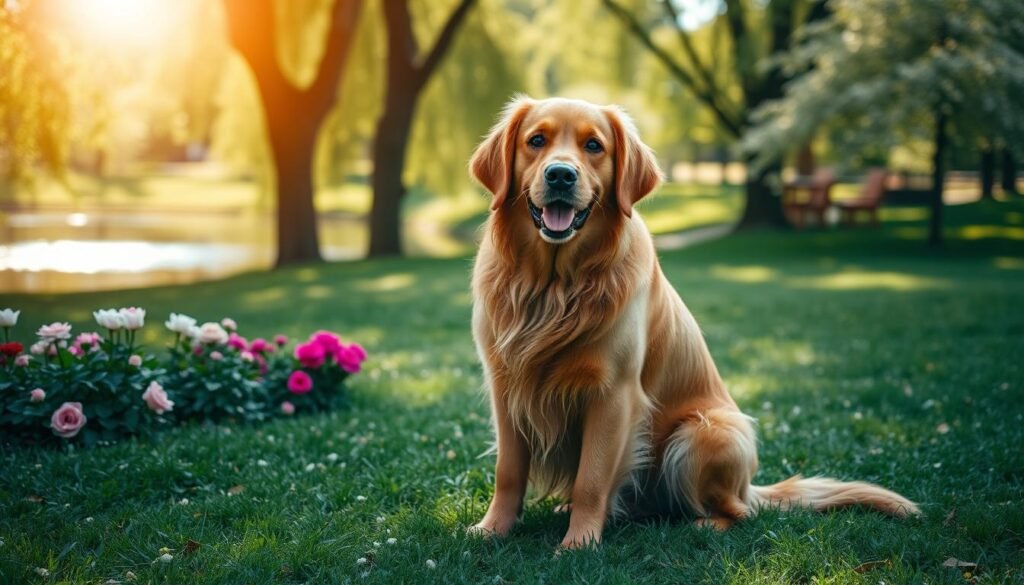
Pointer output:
602, 388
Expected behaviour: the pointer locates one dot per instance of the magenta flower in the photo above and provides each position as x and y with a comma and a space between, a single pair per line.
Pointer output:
238, 342
300, 382
350, 357
89, 338
287, 408
280, 340
310, 355
327, 340
68, 420
260, 345
75, 351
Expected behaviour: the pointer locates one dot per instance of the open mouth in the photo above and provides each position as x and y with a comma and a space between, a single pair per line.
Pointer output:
558, 221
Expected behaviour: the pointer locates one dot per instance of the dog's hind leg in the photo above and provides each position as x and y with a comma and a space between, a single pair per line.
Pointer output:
708, 462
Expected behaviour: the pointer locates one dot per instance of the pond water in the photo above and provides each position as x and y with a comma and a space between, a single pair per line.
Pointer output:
57, 251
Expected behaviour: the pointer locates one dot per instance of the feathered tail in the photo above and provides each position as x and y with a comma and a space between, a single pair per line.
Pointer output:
822, 493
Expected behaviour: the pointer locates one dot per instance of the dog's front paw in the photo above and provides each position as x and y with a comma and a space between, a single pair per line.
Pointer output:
578, 540
491, 527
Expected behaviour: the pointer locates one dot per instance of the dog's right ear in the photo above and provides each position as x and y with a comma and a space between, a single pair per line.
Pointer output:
493, 163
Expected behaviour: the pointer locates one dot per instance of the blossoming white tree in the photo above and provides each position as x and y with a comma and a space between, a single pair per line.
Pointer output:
889, 71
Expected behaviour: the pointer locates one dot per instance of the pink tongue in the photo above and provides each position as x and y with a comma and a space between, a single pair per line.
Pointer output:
558, 218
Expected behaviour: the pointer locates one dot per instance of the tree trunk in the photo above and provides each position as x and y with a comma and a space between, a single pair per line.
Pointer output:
762, 206
1008, 180
389, 149
988, 172
938, 180
293, 143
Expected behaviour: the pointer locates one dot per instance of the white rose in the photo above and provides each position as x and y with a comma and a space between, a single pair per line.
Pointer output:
133, 318
180, 323
9, 317
109, 319
212, 333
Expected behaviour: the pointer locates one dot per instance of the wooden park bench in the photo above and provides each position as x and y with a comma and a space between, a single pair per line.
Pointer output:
817, 201
869, 201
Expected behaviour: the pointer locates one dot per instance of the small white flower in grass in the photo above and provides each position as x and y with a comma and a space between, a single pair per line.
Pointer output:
795, 411
450, 454
360, 498
9, 317
89, 520
381, 519
42, 572
165, 558
431, 564
361, 561
183, 502
937, 465
376, 543
129, 576
858, 415
262, 462
311, 467
332, 457
392, 541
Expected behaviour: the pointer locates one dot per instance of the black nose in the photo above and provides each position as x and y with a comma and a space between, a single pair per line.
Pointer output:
560, 176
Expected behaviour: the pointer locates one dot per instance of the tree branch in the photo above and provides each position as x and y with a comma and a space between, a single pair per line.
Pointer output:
682, 75
684, 38
401, 40
251, 32
344, 19
426, 67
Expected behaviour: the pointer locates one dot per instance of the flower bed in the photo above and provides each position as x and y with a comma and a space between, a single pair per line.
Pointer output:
97, 387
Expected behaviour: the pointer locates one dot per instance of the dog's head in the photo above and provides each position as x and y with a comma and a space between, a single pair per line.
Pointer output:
569, 159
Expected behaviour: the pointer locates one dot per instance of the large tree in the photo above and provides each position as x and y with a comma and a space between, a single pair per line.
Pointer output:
756, 32
892, 71
293, 114
408, 71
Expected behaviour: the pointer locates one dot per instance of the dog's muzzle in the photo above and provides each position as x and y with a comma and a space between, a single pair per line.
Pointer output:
558, 221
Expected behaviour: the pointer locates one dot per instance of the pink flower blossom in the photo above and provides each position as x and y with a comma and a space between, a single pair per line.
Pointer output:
38, 395
260, 345
247, 356
54, 331
75, 351
88, 338
22, 360
238, 342
327, 340
280, 340
310, 355
300, 382
156, 398
350, 357
132, 317
68, 420
229, 324
216, 356
39, 348
212, 333
135, 361
287, 408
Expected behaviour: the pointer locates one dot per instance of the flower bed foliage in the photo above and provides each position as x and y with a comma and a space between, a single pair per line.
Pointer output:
97, 387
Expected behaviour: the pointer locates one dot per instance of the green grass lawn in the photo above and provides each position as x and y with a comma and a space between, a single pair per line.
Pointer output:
863, 356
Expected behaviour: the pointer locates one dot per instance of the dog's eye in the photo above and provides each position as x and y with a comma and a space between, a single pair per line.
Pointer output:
593, 146
537, 141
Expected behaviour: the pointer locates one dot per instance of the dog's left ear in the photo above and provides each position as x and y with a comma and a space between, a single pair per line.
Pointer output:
636, 170
493, 163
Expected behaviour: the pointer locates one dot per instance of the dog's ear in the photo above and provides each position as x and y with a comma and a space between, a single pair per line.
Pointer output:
636, 169
493, 163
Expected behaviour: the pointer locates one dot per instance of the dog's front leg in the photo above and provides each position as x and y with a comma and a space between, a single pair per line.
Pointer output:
607, 432
510, 474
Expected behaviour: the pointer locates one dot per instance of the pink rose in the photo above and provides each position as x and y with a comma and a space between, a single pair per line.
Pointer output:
247, 356
300, 382
156, 398
54, 331
260, 345
38, 395
280, 340
310, 354
135, 361
229, 323
68, 420
22, 360
238, 342
216, 356
39, 348
89, 338
287, 408
75, 351
350, 357
327, 340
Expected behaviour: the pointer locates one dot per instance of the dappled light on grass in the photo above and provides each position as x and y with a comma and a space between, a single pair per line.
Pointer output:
390, 282
859, 280
980, 232
748, 274
1008, 263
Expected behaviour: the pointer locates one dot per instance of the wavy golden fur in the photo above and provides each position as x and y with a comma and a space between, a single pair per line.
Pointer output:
598, 374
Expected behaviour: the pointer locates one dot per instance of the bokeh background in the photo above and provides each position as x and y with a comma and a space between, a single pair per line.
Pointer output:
148, 142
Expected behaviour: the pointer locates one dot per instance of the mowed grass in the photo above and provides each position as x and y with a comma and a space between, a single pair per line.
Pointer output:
862, 354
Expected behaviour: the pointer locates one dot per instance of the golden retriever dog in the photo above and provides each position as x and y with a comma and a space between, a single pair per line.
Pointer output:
603, 391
